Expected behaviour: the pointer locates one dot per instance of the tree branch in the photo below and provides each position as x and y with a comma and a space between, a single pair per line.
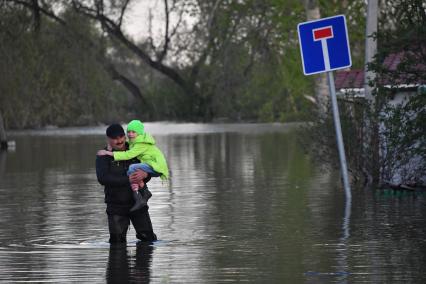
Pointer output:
123, 9
127, 83
113, 30
37, 18
108, 66
166, 34
196, 68
43, 10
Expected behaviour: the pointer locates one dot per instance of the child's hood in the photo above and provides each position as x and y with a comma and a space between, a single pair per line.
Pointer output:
144, 138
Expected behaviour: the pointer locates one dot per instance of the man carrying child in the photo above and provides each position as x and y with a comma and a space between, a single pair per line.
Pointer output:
118, 192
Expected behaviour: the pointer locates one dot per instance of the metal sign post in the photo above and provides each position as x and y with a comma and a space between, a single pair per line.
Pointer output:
339, 136
324, 46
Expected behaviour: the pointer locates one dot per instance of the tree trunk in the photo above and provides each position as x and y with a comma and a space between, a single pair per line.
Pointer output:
371, 137
321, 88
370, 47
3, 138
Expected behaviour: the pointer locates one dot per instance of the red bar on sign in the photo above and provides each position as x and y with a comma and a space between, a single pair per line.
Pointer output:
323, 33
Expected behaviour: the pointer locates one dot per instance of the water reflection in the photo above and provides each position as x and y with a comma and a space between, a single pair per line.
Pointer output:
2, 162
245, 205
344, 251
123, 267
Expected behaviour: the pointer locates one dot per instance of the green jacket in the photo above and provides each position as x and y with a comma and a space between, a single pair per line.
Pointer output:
143, 147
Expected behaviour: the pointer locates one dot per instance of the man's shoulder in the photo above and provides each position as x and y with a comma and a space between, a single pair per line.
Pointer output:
104, 158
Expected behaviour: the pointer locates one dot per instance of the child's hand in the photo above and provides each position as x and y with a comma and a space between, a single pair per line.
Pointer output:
104, 153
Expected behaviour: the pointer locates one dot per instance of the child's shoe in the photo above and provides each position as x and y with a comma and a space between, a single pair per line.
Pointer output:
141, 199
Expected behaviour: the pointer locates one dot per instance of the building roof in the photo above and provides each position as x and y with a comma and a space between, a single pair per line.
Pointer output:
354, 79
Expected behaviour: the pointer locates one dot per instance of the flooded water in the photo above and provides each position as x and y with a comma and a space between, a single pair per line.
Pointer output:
244, 204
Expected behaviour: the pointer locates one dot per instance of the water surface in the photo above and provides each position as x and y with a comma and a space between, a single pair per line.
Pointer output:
244, 204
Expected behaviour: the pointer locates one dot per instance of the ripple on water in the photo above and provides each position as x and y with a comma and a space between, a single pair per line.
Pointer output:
244, 204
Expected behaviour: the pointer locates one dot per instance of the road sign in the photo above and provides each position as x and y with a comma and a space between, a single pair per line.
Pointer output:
324, 45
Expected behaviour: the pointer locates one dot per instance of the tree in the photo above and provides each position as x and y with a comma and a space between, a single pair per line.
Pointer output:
236, 59
402, 155
49, 77
321, 86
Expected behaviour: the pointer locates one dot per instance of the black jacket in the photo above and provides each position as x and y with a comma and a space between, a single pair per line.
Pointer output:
113, 175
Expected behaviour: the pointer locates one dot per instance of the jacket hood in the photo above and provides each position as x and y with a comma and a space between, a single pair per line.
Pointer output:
144, 138
136, 126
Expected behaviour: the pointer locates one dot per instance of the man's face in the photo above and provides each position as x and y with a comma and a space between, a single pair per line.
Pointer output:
117, 143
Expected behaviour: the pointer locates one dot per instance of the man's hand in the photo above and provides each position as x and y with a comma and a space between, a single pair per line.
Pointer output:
137, 176
104, 152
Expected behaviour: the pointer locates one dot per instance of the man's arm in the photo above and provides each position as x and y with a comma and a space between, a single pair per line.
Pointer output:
105, 177
138, 176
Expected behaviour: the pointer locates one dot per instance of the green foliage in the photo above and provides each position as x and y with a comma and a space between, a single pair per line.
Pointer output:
355, 13
403, 146
402, 128
255, 69
392, 132
51, 76
244, 54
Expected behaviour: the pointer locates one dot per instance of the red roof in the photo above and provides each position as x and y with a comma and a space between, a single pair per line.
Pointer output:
349, 79
354, 79
392, 61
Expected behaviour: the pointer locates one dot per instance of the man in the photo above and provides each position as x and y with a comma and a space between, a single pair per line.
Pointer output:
118, 193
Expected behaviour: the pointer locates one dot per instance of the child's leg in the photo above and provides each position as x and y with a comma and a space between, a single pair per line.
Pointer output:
134, 167
131, 170
144, 176
137, 167
141, 199
146, 168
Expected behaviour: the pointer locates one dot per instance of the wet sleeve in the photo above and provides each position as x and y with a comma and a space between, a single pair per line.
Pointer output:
136, 150
105, 176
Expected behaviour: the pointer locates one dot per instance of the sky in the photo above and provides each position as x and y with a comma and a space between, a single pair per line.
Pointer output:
136, 21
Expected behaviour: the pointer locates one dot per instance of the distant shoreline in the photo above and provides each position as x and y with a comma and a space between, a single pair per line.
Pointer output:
164, 128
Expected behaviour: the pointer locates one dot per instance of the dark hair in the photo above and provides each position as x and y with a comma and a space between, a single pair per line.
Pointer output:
115, 130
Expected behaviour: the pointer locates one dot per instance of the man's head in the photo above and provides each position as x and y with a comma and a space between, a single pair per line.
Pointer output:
116, 137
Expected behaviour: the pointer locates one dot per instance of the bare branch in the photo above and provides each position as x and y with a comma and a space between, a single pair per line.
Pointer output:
123, 10
127, 83
150, 38
109, 67
46, 12
37, 18
213, 14
113, 30
87, 11
99, 4
166, 34
196, 68
174, 30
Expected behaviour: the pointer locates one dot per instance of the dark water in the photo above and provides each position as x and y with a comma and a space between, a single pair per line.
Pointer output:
244, 204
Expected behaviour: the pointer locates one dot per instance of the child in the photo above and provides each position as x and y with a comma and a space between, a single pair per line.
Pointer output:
152, 161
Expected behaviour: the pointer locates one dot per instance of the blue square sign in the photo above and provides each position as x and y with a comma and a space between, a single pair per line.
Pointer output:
324, 45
